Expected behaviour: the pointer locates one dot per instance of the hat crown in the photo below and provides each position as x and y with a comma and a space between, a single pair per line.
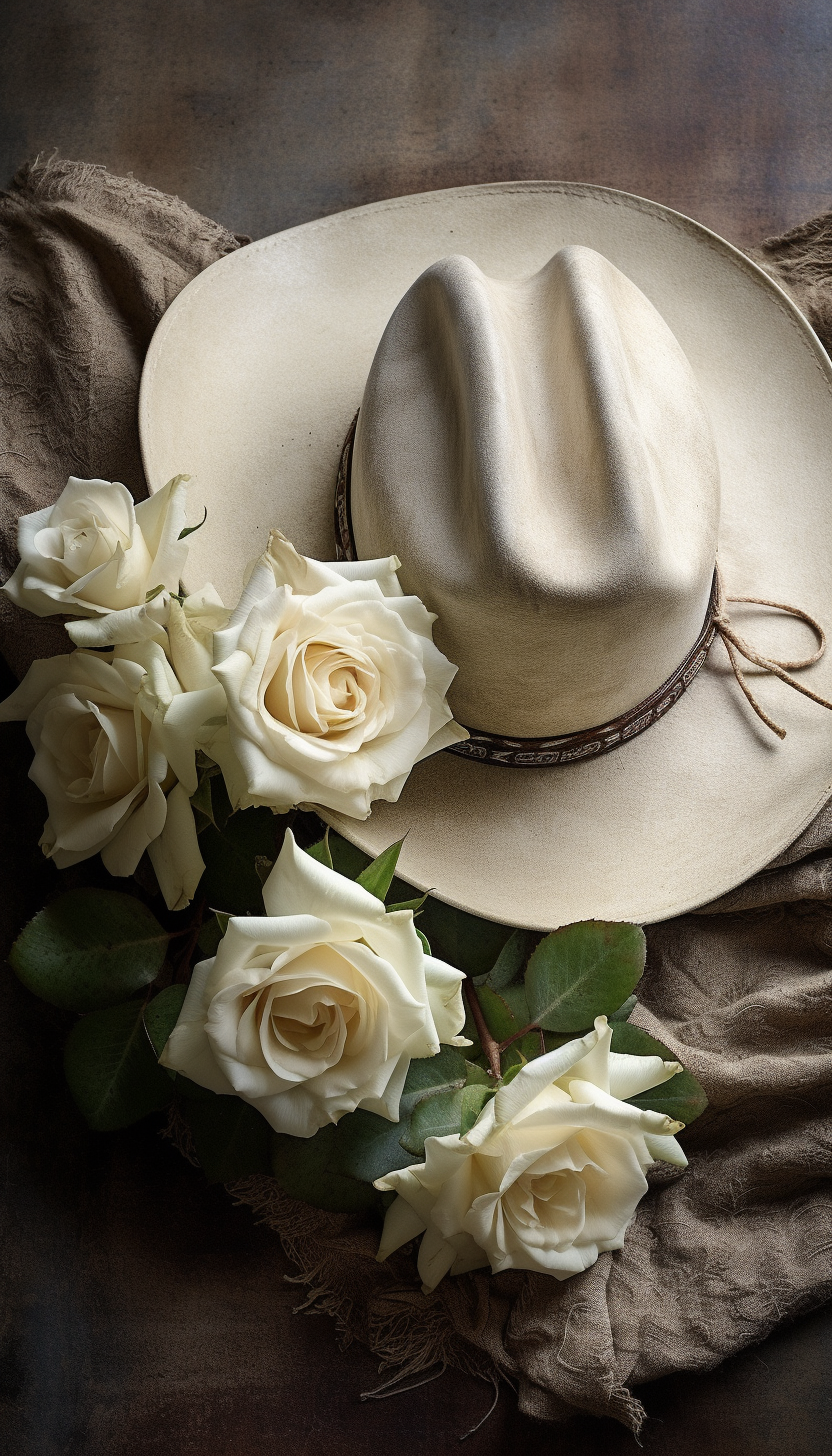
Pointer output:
538, 454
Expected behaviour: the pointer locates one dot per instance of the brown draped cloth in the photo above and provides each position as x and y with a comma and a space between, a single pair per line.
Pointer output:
741, 992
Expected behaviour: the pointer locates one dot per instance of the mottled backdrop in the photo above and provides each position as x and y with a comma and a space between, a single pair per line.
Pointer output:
141, 1312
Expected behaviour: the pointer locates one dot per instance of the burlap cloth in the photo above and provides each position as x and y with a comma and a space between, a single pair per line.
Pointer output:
742, 992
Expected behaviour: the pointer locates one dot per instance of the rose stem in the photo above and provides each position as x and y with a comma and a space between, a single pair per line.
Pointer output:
487, 1042
524, 1031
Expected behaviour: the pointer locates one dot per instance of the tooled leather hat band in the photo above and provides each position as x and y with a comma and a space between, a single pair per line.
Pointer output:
568, 748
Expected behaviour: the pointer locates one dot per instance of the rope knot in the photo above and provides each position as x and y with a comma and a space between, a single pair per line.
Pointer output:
736, 647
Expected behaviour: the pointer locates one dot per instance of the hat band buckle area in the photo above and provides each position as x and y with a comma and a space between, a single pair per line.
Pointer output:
511, 752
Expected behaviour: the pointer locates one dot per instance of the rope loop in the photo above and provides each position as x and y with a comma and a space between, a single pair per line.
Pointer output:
737, 647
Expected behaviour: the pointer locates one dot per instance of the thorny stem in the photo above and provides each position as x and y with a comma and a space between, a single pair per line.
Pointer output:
487, 1042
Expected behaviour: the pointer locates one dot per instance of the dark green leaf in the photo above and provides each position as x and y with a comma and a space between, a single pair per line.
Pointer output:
624, 1011
231, 1138
231, 881
306, 1168
583, 971
524, 1050
378, 875
321, 851
463, 940
155, 591
444, 1114
335, 1168
112, 1070
469, 1030
347, 858
511, 962
510, 1075
211, 803
201, 800
506, 1012
428, 1075
189, 530
161, 1015
368, 1146
682, 1098
425, 942
414, 905
90, 949
476, 1076
474, 1098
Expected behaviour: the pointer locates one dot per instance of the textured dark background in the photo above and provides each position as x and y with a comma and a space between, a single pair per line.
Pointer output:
141, 1311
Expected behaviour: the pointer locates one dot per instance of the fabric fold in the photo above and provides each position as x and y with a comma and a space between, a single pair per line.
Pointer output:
741, 992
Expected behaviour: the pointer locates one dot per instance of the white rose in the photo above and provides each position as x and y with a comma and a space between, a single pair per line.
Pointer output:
549, 1175
318, 1007
335, 687
191, 626
114, 757
94, 553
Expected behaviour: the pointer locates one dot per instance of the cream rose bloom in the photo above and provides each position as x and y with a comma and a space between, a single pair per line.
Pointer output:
318, 1007
114, 740
549, 1175
335, 687
95, 553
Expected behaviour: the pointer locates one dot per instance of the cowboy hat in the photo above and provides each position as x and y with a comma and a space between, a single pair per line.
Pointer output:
250, 384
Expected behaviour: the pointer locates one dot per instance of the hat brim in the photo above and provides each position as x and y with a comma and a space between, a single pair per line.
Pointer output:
250, 383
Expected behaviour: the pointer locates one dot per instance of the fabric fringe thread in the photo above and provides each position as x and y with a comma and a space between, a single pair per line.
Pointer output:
409, 1332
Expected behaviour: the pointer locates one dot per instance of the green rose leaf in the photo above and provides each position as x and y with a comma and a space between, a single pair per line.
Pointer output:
425, 942
231, 881
189, 530
506, 1012
231, 1138
428, 1075
415, 904
624, 1011
307, 1168
378, 876
90, 949
445, 1114
512, 959
161, 1015
524, 1050
210, 801
335, 1169
583, 971
368, 1146
112, 1070
321, 851
476, 1076
510, 1075
682, 1098
202, 801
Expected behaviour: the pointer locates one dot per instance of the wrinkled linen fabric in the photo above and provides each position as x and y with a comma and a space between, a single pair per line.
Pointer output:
88, 264
741, 992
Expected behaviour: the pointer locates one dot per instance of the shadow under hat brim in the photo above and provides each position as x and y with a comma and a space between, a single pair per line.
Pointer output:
250, 383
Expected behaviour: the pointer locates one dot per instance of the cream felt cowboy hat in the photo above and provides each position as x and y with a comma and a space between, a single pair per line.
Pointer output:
586, 420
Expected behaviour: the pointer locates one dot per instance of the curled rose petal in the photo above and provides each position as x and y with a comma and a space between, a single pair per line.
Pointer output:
114, 739
548, 1177
317, 1008
335, 687
95, 553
